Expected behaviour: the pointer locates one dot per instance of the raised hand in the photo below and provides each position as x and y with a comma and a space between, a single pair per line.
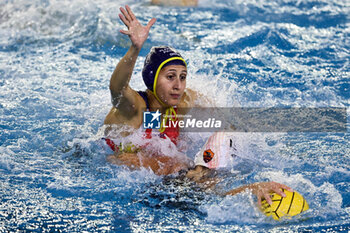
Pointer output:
137, 33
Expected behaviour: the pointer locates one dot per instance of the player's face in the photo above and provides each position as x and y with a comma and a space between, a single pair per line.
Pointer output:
171, 84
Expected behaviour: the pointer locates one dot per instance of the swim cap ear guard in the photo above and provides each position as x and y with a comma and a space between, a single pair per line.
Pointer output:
158, 58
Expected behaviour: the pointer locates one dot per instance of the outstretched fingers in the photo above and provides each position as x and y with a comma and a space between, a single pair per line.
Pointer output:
124, 20
137, 32
126, 17
131, 14
124, 32
125, 14
150, 23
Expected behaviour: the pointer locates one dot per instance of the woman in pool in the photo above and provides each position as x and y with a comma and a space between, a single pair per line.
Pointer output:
164, 74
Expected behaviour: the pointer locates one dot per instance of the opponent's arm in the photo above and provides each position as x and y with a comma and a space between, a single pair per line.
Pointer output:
262, 190
119, 83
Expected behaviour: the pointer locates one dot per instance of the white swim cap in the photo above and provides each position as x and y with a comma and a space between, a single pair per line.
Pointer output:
217, 152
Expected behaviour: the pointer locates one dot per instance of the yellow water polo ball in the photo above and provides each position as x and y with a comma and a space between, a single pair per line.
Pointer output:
294, 203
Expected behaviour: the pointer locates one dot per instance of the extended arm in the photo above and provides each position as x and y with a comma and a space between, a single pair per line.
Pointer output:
262, 190
119, 83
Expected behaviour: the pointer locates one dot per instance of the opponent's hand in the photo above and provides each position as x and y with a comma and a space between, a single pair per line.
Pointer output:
137, 33
264, 189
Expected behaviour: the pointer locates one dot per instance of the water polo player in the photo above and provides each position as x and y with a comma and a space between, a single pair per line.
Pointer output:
275, 199
164, 74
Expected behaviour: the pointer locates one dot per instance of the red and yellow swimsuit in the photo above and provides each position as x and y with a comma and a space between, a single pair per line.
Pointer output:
171, 132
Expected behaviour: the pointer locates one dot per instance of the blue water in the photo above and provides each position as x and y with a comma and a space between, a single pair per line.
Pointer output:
56, 60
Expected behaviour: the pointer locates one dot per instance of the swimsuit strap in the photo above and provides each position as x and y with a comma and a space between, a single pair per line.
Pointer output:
143, 94
170, 115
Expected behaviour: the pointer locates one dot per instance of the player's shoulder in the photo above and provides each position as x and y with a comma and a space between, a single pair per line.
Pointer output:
128, 109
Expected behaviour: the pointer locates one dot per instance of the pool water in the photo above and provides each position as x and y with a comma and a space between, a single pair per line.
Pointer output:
56, 61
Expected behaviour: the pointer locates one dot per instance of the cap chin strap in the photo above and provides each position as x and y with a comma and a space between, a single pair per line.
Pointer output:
170, 111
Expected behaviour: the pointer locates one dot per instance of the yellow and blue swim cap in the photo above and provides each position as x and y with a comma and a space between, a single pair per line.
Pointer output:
158, 58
